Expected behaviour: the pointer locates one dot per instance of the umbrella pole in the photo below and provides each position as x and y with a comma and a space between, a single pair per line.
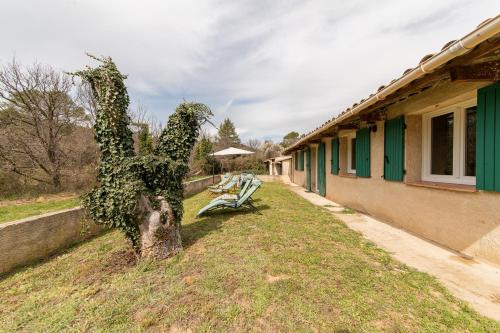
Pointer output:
213, 168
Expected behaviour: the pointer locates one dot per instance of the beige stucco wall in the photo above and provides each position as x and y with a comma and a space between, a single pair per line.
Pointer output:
298, 177
413, 148
286, 169
466, 222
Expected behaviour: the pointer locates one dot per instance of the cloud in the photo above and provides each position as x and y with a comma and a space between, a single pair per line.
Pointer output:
271, 66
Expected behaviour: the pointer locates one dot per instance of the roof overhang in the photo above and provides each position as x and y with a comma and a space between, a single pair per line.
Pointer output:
428, 64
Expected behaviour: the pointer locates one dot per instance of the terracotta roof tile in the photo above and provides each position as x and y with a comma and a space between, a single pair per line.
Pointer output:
426, 57
445, 46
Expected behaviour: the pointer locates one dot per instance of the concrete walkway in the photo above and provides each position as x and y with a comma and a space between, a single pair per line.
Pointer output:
471, 280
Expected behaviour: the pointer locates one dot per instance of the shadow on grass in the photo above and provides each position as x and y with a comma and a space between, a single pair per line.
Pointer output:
212, 221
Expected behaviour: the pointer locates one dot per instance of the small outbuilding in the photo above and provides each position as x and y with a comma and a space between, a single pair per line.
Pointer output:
280, 166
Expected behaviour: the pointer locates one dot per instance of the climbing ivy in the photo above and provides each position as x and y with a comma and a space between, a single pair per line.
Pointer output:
124, 176
145, 139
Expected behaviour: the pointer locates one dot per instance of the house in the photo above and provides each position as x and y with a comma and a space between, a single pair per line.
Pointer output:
422, 152
280, 166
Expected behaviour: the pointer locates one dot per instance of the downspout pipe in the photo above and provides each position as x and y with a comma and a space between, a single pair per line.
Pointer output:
458, 48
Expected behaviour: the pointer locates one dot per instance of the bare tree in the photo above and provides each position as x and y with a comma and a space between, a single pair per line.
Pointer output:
36, 113
254, 143
140, 115
271, 149
85, 99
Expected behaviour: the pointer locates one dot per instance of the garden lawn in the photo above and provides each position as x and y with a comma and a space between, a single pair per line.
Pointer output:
292, 267
20, 211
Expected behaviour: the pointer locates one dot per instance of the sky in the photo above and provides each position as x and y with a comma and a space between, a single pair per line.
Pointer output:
270, 66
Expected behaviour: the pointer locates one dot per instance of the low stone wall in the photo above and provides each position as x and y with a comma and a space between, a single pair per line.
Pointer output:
197, 186
25, 241
37, 237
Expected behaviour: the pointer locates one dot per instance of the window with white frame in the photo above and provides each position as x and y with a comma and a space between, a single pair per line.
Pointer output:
351, 153
449, 144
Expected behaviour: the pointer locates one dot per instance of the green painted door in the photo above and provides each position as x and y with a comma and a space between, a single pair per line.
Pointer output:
308, 169
322, 169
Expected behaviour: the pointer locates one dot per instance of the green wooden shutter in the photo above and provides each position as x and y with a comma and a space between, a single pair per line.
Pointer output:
322, 169
295, 162
303, 159
335, 157
488, 138
394, 146
301, 154
308, 169
363, 152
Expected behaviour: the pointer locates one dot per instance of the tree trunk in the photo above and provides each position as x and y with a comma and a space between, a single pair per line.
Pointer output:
56, 179
160, 233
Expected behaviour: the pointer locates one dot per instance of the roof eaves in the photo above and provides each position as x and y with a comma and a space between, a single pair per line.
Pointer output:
427, 64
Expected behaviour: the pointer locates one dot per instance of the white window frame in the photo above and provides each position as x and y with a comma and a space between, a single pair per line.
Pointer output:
459, 118
349, 137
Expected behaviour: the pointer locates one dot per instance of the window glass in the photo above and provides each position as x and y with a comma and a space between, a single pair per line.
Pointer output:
442, 144
353, 153
470, 141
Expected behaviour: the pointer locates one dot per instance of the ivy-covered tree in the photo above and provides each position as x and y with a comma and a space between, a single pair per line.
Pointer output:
139, 194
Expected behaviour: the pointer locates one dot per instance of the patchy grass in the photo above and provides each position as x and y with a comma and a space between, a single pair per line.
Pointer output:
348, 210
27, 196
16, 211
292, 267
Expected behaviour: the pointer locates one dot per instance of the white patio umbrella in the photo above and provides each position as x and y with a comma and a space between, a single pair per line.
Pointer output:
231, 151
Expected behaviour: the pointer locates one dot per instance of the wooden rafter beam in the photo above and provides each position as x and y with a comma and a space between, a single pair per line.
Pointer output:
487, 71
373, 116
348, 126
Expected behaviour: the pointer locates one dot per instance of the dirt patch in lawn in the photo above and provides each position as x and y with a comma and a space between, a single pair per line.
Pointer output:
272, 279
